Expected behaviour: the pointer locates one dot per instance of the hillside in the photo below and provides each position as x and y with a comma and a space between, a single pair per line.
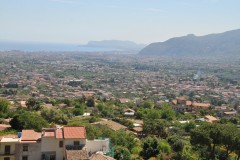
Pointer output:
191, 45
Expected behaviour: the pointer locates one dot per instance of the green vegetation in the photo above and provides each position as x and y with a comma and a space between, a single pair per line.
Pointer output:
149, 85
8, 131
163, 137
217, 140
28, 120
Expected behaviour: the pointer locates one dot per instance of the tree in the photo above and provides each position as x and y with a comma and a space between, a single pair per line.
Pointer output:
121, 138
4, 105
233, 120
237, 144
90, 102
101, 106
150, 148
106, 110
189, 126
224, 135
78, 111
164, 146
147, 104
67, 102
139, 114
228, 136
54, 116
187, 154
33, 104
122, 153
176, 143
207, 135
136, 150
167, 112
153, 114
155, 127
28, 120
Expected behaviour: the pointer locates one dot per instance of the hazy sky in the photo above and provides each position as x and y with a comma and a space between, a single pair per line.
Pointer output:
142, 21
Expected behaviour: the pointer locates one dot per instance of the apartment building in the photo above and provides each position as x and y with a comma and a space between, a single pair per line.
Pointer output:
60, 143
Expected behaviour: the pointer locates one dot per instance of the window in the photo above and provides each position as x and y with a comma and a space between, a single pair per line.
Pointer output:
25, 158
52, 157
7, 150
6, 158
60, 144
76, 143
25, 148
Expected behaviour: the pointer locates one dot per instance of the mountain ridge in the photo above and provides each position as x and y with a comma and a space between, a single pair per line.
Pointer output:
216, 44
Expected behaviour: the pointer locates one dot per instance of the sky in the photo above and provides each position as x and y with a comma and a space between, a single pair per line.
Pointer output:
141, 21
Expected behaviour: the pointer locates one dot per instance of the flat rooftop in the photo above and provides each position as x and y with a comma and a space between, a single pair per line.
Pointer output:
9, 140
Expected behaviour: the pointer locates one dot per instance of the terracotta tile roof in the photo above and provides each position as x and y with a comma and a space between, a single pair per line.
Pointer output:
220, 108
205, 105
174, 101
181, 99
211, 118
136, 121
30, 135
74, 132
99, 156
111, 124
128, 110
62, 105
230, 113
4, 126
59, 133
76, 155
188, 103
48, 106
49, 134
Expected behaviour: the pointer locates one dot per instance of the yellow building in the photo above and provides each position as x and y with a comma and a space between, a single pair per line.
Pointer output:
8, 147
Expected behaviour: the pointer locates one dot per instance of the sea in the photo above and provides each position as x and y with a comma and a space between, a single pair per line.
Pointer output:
38, 47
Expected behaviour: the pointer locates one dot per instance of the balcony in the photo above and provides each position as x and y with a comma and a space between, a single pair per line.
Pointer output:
74, 147
7, 153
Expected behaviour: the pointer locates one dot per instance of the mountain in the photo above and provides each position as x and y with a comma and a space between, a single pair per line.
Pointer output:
115, 45
191, 45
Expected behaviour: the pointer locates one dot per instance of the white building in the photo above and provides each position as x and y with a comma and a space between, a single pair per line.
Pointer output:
129, 112
51, 144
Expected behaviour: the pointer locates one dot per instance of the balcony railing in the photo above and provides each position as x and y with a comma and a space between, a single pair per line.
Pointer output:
75, 147
6, 153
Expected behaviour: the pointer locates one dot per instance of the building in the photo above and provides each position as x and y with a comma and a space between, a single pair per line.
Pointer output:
182, 105
200, 106
8, 147
52, 144
211, 119
129, 112
230, 114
